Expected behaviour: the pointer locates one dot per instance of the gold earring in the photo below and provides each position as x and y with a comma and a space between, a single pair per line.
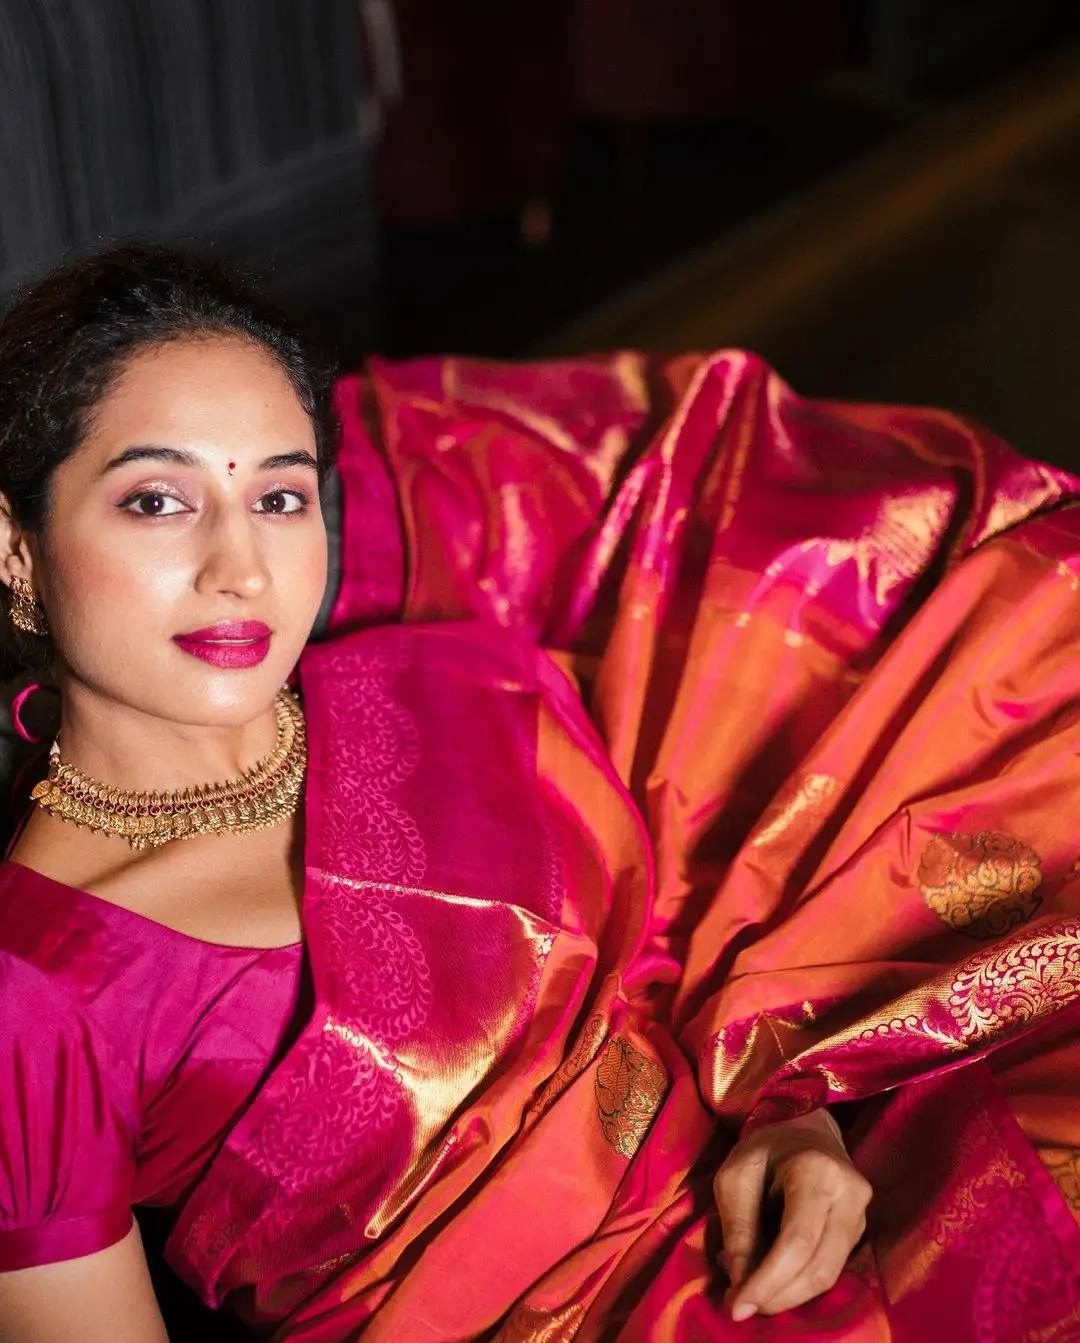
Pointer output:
27, 613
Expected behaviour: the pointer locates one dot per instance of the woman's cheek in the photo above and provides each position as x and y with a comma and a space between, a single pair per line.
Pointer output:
104, 583
298, 562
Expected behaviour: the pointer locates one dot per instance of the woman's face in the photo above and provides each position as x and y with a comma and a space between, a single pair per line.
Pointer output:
184, 558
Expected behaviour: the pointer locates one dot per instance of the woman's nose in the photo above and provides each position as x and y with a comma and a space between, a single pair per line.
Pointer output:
234, 562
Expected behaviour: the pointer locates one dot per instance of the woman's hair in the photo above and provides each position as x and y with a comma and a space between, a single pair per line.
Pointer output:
66, 339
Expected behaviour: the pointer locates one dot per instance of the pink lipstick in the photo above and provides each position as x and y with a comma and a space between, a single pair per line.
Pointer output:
229, 644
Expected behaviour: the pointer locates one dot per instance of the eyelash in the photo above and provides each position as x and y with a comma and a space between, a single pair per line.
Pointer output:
127, 504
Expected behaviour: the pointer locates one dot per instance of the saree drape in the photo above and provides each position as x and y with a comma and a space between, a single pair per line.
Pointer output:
723, 766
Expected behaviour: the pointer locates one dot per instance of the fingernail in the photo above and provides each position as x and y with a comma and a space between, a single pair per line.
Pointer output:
743, 1311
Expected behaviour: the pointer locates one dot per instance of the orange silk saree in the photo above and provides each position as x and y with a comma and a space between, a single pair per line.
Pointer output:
722, 766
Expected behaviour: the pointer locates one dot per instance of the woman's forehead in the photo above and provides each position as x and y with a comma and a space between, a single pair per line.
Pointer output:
209, 392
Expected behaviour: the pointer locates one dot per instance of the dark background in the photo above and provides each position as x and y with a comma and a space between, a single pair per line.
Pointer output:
881, 196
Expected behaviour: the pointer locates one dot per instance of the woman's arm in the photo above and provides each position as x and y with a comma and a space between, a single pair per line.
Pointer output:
101, 1298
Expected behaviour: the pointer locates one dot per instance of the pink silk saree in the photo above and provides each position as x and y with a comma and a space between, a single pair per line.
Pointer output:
724, 765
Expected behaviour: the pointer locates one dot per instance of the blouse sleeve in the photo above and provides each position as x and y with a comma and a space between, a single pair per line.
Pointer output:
67, 1154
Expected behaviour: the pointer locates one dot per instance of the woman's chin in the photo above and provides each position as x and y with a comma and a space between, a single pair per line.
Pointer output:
200, 697
225, 701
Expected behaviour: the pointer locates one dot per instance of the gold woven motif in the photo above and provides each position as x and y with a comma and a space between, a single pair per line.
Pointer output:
1063, 1163
981, 885
1003, 989
530, 1324
630, 1089
795, 814
587, 1048
261, 797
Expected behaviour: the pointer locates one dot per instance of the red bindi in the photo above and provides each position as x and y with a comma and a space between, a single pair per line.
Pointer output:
232, 468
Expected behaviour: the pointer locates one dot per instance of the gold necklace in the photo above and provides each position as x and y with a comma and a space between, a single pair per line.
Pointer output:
262, 796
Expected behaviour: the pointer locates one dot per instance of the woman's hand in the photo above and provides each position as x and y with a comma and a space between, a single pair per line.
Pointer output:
804, 1161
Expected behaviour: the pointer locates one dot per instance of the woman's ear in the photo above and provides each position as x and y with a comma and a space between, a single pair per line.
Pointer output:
16, 558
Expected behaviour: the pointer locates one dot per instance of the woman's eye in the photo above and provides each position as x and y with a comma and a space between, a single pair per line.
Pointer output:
150, 504
281, 501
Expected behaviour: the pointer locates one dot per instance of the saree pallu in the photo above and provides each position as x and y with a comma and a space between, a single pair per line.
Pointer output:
723, 767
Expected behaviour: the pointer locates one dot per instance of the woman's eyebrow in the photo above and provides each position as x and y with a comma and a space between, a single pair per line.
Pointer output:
151, 452
283, 460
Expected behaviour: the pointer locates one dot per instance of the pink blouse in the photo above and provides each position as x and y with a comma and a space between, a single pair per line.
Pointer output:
127, 1051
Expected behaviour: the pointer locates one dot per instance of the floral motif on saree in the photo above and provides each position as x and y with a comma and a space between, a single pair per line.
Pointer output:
980, 885
1011, 986
629, 1091
988, 1216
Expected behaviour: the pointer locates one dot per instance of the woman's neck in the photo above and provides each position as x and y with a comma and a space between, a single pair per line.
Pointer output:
129, 749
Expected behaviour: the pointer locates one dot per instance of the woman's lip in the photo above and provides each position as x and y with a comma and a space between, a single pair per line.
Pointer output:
227, 653
227, 631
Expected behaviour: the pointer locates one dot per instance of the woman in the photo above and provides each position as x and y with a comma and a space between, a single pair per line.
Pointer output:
442, 1057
